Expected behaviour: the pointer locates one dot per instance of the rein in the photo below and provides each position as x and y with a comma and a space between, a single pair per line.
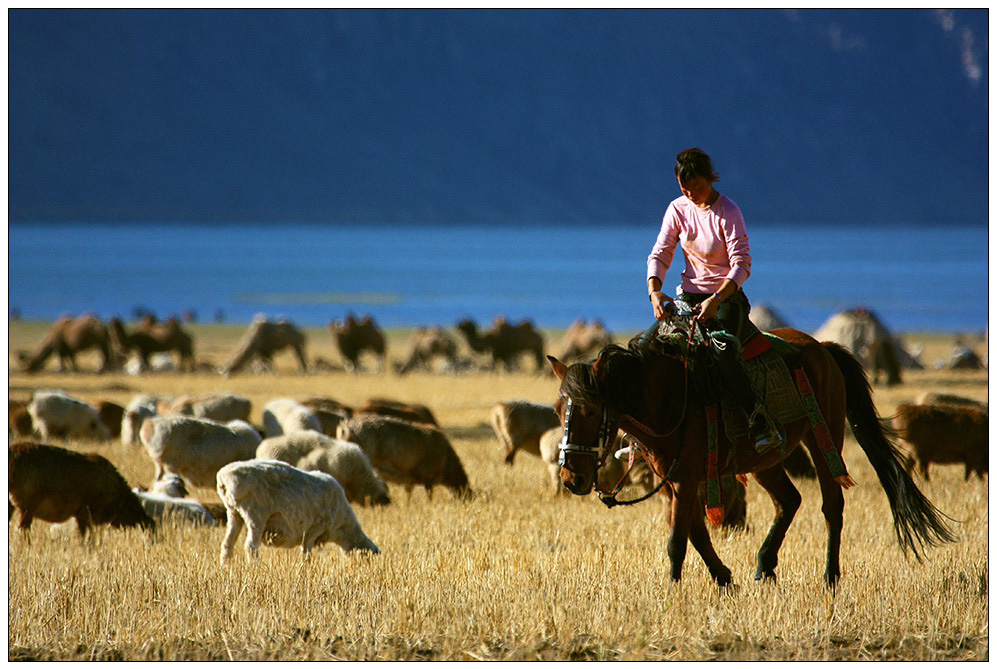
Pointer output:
607, 430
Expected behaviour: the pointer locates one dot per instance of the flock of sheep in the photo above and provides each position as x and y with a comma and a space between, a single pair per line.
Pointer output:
291, 482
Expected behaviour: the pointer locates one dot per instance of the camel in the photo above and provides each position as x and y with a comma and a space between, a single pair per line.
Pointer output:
429, 343
583, 339
354, 337
67, 337
505, 342
151, 336
264, 338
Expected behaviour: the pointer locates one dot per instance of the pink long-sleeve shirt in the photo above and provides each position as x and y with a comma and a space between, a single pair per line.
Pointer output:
714, 241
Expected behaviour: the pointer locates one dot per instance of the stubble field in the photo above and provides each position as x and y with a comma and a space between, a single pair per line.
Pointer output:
513, 574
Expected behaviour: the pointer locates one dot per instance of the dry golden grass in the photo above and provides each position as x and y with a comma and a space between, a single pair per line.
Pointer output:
509, 575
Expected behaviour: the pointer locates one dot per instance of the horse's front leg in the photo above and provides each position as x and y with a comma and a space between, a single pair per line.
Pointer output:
687, 523
701, 541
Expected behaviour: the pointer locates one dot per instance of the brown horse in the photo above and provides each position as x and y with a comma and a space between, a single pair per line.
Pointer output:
646, 390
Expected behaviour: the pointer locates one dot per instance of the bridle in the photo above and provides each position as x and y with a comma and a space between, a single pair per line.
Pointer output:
600, 451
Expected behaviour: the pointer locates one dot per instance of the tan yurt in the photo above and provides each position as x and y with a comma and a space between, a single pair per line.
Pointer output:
864, 335
766, 318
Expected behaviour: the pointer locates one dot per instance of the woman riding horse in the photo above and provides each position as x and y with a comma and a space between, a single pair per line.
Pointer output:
710, 229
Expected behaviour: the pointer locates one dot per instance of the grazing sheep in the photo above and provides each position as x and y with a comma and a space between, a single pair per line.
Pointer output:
111, 415
406, 453
56, 415
285, 416
519, 424
165, 507
286, 507
56, 484
18, 419
220, 407
412, 412
944, 434
349, 465
141, 407
329, 412
946, 398
289, 448
195, 448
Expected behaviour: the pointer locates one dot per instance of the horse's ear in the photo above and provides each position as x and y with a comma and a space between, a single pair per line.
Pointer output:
558, 367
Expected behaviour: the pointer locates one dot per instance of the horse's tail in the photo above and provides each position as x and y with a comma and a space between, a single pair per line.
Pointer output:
918, 523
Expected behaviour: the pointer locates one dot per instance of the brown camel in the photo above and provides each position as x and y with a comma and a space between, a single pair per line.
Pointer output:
151, 336
67, 337
354, 337
427, 344
506, 342
263, 339
583, 339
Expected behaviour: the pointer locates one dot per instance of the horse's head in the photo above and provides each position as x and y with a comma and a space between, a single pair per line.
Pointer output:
588, 430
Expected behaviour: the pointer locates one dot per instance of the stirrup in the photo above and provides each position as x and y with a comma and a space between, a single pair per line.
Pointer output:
770, 438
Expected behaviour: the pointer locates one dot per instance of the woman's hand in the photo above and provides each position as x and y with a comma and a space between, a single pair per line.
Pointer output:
658, 301
708, 308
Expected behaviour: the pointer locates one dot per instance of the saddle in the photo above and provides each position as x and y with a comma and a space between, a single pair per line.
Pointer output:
768, 361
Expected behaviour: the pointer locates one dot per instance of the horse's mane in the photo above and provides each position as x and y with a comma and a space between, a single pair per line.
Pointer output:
614, 378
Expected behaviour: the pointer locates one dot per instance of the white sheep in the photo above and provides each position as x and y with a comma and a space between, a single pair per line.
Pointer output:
142, 406
195, 448
349, 465
221, 407
284, 416
289, 448
161, 507
309, 450
286, 507
55, 414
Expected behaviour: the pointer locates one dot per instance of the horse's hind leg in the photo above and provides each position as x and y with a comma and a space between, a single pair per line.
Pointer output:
786, 499
833, 508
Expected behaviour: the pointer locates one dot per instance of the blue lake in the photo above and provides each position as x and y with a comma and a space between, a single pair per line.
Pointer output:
914, 278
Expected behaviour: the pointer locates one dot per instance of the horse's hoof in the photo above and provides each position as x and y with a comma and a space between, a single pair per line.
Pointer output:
765, 577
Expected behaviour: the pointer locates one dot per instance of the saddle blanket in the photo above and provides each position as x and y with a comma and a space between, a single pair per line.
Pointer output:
773, 384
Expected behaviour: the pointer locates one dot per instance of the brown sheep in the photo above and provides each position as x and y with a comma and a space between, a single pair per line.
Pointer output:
407, 453
19, 419
505, 342
111, 415
329, 412
947, 398
262, 340
410, 411
56, 484
427, 344
67, 337
354, 337
519, 424
151, 336
944, 434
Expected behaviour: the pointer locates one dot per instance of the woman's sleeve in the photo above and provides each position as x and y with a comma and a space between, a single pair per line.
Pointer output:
738, 250
663, 250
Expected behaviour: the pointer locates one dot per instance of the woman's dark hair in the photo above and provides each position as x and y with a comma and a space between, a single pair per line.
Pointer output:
694, 163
